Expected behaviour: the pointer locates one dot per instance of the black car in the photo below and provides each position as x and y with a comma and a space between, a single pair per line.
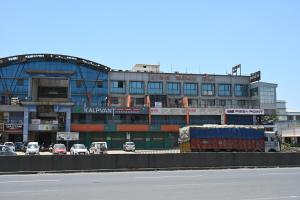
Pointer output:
5, 151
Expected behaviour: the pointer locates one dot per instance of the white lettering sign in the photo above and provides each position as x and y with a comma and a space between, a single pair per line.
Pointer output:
244, 112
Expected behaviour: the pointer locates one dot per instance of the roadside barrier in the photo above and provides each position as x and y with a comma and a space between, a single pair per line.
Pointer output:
115, 162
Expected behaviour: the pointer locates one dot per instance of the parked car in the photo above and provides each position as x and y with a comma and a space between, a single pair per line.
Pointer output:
10, 145
98, 148
6, 151
20, 146
32, 149
59, 149
77, 149
129, 146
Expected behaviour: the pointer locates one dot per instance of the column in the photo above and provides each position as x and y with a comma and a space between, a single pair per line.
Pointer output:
25, 124
68, 119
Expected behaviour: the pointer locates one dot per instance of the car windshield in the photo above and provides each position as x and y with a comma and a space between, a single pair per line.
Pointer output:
129, 143
9, 144
59, 146
32, 146
79, 146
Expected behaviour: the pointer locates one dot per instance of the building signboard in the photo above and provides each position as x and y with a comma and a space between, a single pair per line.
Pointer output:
205, 111
168, 111
13, 127
43, 127
244, 111
35, 121
67, 136
186, 78
110, 110
159, 77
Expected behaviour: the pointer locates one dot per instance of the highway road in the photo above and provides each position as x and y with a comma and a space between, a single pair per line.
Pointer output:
231, 184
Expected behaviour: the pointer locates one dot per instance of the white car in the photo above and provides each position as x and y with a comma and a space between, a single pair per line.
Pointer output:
129, 146
32, 149
98, 148
78, 149
10, 145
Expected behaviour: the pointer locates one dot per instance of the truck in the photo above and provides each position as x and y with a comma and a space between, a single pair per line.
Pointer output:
232, 138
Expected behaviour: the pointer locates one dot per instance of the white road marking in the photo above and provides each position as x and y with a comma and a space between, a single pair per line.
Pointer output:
28, 191
274, 198
281, 173
159, 177
29, 181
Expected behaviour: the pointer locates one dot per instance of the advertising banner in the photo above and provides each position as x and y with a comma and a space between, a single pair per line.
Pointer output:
67, 136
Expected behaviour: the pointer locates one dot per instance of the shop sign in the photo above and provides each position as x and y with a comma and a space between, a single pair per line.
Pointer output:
13, 127
110, 110
35, 121
205, 111
207, 78
159, 77
244, 111
43, 127
186, 78
168, 111
67, 136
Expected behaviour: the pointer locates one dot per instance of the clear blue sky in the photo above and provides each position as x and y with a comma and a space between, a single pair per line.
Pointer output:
190, 35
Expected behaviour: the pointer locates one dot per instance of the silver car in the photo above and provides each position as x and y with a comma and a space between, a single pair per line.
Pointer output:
32, 149
10, 145
129, 146
6, 151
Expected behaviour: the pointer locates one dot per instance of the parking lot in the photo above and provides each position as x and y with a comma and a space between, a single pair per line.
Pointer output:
120, 152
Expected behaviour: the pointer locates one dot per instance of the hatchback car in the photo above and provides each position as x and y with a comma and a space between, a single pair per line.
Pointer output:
59, 149
32, 149
10, 145
129, 146
6, 151
78, 149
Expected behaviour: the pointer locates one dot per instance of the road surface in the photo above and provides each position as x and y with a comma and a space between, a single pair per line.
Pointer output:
232, 184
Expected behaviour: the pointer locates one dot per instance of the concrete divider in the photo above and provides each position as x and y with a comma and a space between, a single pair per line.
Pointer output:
146, 161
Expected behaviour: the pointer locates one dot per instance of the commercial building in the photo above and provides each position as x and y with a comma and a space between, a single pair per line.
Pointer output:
288, 124
42, 94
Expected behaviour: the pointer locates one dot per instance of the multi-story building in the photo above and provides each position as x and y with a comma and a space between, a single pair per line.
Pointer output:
42, 94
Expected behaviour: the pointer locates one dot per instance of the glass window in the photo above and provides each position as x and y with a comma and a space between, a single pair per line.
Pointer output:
208, 89
224, 90
155, 88
117, 87
241, 90
99, 84
78, 83
173, 88
267, 95
20, 82
190, 89
136, 87
254, 92
208, 103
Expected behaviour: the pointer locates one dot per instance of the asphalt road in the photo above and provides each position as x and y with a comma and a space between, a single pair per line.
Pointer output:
233, 184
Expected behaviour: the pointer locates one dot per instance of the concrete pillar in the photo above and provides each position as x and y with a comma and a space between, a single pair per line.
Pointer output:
25, 124
68, 120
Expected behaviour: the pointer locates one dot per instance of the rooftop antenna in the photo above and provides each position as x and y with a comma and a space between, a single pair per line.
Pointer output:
171, 68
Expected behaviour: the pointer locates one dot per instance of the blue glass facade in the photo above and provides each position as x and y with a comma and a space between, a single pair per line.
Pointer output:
16, 81
173, 88
241, 90
136, 87
117, 87
190, 89
208, 89
155, 88
224, 90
